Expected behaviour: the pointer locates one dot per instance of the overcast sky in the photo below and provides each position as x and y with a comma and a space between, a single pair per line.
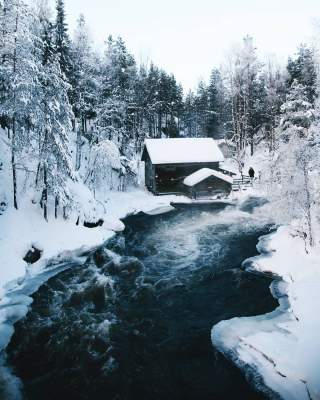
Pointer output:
190, 37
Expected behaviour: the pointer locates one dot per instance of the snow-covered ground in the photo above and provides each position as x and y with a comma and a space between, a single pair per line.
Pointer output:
283, 347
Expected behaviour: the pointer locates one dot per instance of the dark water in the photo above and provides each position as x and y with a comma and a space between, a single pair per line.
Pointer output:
134, 322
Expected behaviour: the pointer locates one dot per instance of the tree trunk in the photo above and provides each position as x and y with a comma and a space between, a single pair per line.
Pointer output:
56, 204
308, 211
38, 174
13, 164
78, 151
13, 140
159, 124
45, 194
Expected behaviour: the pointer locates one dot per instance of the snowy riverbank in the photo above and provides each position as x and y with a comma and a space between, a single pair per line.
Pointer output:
58, 238
63, 243
281, 350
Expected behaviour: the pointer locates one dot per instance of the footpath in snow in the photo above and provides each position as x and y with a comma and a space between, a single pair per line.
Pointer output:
280, 351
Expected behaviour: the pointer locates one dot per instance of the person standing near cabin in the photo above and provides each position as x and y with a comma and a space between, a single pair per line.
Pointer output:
251, 173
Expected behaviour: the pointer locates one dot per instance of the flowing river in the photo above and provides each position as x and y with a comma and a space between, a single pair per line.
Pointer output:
134, 321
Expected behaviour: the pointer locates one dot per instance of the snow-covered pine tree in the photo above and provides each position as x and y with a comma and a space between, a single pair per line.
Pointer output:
62, 40
19, 75
275, 87
84, 81
189, 115
297, 113
53, 126
216, 105
168, 106
202, 108
153, 100
302, 69
141, 102
116, 96
289, 179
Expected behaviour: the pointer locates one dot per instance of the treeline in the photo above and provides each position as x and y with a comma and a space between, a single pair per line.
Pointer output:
52, 85
242, 101
74, 115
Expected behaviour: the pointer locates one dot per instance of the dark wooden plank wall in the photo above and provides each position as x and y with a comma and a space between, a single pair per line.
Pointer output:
169, 177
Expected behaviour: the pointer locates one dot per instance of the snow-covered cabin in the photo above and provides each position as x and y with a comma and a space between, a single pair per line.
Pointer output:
169, 161
207, 181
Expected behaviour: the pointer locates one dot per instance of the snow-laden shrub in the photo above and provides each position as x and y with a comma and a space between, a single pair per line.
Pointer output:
104, 167
83, 206
291, 187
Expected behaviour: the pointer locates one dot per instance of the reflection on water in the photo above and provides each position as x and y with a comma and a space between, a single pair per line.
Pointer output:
135, 321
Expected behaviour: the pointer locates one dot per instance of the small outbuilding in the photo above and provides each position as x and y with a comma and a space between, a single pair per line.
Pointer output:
168, 162
207, 182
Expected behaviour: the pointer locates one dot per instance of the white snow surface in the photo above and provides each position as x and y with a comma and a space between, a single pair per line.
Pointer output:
203, 174
282, 347
183, 150
225, 165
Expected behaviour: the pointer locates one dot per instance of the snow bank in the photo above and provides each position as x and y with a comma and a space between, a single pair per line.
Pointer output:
203, 174
282, 347
20, 229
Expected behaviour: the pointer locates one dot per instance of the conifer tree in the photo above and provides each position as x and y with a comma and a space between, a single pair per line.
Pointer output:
62, 40
19, 79
84, 81
216, 105
290, 178
302, 69
53, 126
297, 113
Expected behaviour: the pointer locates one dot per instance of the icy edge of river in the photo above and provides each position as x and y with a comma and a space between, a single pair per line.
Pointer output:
279, 352
15, 305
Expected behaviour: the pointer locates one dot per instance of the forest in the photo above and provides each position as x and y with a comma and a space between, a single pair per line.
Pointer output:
75, 119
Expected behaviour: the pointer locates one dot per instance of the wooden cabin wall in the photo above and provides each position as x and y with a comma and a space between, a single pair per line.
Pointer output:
150, 175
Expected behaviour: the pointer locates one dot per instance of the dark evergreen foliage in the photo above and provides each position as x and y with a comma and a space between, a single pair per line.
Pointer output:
302, 69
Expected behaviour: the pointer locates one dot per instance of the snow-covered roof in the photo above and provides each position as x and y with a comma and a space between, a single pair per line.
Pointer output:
203, 174
226, 167
183, 150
